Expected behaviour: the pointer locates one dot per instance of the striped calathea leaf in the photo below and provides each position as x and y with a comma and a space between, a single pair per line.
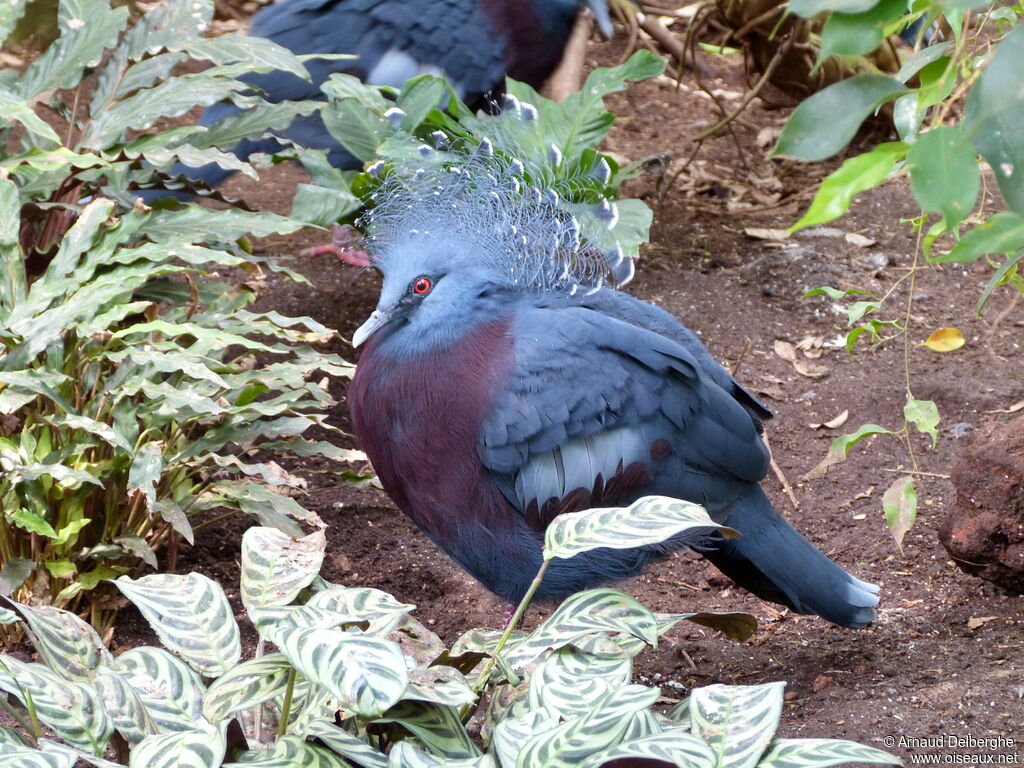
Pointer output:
73, 710
276, 567
648, 521
191, 616
68, 645
202, 746
737, 721
170, 689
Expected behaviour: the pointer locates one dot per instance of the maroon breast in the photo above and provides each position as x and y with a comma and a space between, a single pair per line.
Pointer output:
419, 421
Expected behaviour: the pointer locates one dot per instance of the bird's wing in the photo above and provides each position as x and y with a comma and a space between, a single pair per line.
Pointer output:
594, 403
394, 39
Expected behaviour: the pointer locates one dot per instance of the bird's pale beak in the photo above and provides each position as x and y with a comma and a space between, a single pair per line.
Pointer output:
604, 18
377, 320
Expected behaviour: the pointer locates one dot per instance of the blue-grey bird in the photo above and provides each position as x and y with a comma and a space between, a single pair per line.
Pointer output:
473, 43
500, 386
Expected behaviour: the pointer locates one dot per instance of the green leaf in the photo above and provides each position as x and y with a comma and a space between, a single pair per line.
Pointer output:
824, 123
999, 277
924, 415
170, 689
837, 191
841, 446
261, 53
568, 681
87, 29
382, 612
944, 173
73, 710
994, 117
737, 721
68, 645
10, 13
124, 706
191, 616
822, 753
14, 573
323, 205
1002, 233
276, 567
147, 466
899, 502
13, 108
27, 757
345, 744
809, 8
609, 719
250, 683
199, 747
674, 747
584, 613
367, 674
437, 727
852, 34
418, 97
650, 520
291, 752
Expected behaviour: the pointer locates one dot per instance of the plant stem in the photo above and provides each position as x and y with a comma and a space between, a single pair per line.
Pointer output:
485, 673
282, 724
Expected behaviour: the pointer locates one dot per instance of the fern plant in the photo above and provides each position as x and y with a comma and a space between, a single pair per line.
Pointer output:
345, 676
135, 391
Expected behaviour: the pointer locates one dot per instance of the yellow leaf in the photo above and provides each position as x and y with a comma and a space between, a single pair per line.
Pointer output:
945, 340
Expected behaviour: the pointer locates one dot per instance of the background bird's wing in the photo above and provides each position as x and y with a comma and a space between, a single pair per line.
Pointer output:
599, 410
394, 39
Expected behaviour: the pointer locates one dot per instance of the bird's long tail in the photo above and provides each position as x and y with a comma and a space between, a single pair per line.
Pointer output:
776, 563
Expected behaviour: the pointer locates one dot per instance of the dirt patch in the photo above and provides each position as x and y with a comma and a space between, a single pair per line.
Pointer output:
945, 656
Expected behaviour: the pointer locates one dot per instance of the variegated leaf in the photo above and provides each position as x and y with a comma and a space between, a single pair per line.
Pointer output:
290, 617
291, 752
737, 721
71, 753
405, 755
171, 690
439, 685
73, 710
602, 727
650, 520
367, 674
512, 733
680, 713
676, 747
202, 746
12, 737
567, 682
250, 683
124, 706
419, 644
68, 645
28, 757
595, 610
311, 703
821, 753
276, 567
383, 612
737, 625
191, 616
345, 744
437, 726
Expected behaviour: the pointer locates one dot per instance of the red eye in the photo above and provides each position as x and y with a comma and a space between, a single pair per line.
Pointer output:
421, 286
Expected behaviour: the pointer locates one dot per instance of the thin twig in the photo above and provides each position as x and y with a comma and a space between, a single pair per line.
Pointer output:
779, 474
916, 472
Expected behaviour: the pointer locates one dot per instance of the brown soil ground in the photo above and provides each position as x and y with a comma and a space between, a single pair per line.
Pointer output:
924, 667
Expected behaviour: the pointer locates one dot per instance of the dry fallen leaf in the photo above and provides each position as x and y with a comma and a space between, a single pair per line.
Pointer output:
810, 370
945, 340
811, 346
785, 350
835, 421
860, 517
859, 240
765, 234
974, 622
1012, 409
865, 494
